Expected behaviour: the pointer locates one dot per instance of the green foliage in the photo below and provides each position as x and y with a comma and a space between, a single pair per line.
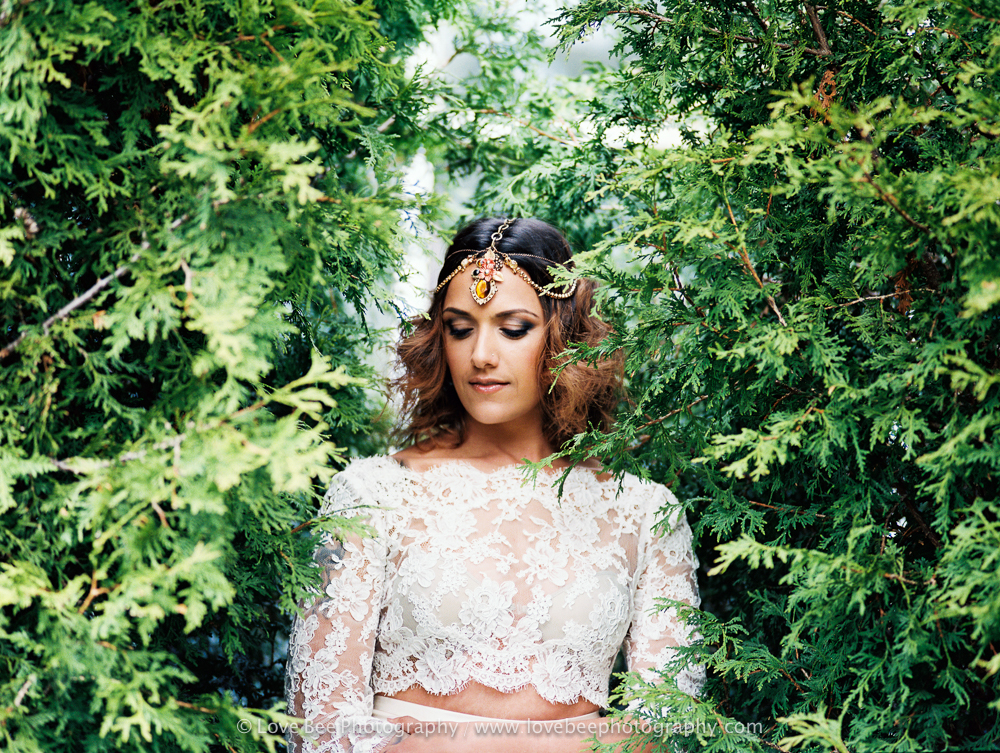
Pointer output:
195, 198
804, 277
793, 212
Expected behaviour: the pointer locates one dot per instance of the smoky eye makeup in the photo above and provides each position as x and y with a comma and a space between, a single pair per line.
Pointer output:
517, 330
455, 330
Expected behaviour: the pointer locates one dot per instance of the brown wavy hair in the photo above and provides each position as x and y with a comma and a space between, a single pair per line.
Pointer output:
575, 396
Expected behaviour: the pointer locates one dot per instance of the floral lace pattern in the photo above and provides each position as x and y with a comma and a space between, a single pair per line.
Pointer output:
481, 577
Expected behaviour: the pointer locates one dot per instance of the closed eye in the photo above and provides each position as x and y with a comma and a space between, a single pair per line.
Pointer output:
516, 333
459, 333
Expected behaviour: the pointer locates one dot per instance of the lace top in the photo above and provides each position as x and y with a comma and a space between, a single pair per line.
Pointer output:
475, 576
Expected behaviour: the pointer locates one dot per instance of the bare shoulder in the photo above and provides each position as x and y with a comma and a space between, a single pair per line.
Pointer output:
420, 457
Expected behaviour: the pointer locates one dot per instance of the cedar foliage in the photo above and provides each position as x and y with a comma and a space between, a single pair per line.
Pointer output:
807, 292
806, 289
195, 198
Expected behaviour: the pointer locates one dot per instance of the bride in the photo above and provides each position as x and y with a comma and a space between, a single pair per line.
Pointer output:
483, 596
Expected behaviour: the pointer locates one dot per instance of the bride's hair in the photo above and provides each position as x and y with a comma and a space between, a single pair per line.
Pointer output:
575, 396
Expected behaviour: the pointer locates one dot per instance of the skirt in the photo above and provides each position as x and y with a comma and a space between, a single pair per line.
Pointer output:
389, 708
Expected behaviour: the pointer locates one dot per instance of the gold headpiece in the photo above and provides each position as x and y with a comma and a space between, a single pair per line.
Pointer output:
489, 271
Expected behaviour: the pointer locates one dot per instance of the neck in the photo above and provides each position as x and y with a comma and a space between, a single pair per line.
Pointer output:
506, 444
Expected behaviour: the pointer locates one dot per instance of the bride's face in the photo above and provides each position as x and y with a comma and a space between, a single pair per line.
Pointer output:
493, 350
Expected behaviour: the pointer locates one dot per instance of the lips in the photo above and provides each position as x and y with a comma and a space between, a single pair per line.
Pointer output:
487, 386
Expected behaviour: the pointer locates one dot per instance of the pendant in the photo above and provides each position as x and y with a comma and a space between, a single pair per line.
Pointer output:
485, 278
483, 291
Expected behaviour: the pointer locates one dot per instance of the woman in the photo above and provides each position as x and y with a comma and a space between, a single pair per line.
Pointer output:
482, 596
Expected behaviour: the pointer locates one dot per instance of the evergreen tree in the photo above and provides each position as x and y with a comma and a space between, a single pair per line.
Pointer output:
806, 288
195, 199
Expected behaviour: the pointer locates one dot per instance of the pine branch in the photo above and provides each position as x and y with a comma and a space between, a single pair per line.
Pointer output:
174, 442
755, 13
935, 539
646, 437
92, 594
852, 18
746, 261
526, 124
820, 52
785, 509
202, 709
32, 679
817, 27
879, 297
72, 306
889, 199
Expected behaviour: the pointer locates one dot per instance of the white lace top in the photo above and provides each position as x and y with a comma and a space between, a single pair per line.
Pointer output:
483, 577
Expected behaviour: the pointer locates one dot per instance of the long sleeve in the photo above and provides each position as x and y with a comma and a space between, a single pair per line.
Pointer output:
332, 643
667, 568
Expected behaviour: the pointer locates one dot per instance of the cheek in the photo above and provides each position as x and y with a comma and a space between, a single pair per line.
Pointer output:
452, 362
533, 363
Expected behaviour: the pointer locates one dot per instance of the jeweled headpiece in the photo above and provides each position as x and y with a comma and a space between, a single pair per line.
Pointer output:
488, 273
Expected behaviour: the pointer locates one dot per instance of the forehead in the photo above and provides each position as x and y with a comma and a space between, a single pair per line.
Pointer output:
512, 293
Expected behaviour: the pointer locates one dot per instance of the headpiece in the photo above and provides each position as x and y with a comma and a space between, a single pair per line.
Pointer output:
488, 273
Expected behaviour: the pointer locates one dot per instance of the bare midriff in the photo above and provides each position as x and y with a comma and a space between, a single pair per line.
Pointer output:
485, 701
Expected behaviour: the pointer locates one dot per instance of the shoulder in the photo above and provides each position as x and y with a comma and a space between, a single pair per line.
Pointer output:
419, 459
651, 502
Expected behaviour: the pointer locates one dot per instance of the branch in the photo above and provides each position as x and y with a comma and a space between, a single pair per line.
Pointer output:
797, 686
719, 33
92, 594
852, 18
772, 745
824, 47
935, 539
261, 121
301, 527
202, 709
174, 442
981, 17
637, 12
262, 38
70, 307
878, 297
746, 261
889, 199
646, 437
32, 679
785, 509
525, 123
674, 412
756, 14
680, 289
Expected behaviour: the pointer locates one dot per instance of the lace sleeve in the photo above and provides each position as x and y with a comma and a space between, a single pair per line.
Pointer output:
332, 642
667, 568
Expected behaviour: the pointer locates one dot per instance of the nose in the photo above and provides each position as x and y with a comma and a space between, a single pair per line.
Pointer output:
484, 351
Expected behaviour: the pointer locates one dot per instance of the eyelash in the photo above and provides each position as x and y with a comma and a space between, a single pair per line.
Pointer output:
513, 334
516, 334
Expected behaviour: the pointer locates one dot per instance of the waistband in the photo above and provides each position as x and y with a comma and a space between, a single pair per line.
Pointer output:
389, 708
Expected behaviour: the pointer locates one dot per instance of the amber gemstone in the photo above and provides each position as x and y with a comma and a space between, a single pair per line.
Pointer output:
482, 289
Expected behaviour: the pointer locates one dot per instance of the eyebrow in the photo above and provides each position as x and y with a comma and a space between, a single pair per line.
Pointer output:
498, 315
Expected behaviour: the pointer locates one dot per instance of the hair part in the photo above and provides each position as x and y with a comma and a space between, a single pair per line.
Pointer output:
575, 396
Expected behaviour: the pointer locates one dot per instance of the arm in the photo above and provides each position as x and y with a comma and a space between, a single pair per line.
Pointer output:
667, 569
332, 643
